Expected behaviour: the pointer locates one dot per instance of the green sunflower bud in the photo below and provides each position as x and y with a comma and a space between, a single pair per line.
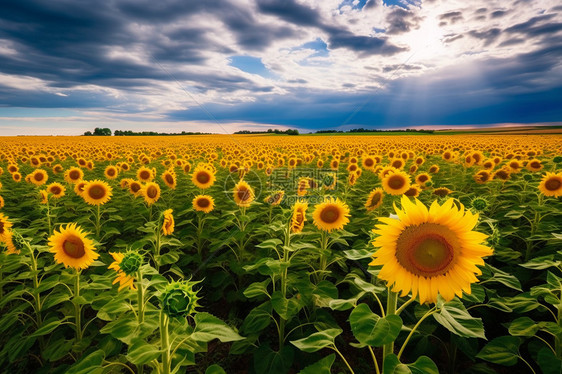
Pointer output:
179, 299
528, 177
479, 203
557, 159
131, 262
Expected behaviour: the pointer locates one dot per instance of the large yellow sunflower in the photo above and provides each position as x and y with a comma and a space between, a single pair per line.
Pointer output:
331, 214
111, 172
243, 194
396, 182
96, 192
169, 223
299, 216
151, 192
57, 189
203, 177
551, 184
144, 174
38, 177
169, 177
203, 203
430, 251
72, 248
375, 199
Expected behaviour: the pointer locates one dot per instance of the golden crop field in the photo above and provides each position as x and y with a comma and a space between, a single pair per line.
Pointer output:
281, 254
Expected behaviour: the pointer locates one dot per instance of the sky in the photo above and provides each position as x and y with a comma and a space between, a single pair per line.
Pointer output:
220, 66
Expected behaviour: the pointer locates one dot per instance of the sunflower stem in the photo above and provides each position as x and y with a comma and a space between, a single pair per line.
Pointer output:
343, 358
284, 273
140, 297
49, 217
427, 314
375, 362
323, 257
164, 342
77, 308
98, 219
391, 302
36, 294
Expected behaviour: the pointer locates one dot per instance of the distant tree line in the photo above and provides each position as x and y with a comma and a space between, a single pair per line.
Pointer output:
270, 131
372, 130
98, 131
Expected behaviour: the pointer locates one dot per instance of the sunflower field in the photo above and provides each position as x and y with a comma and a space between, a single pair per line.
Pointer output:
277, 254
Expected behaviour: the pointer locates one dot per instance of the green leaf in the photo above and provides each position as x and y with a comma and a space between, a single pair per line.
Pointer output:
392, 365
368, 328
209, 327
358, 254
504, 278
215, 369
548, 362
317, 341
47, 328
503, 351
523, 326
268, 361
141, 353
320, 367
423, 365
455, 318
541, 263
286, 308
270, 243
88, 365
257, 289
258, 319
325, 292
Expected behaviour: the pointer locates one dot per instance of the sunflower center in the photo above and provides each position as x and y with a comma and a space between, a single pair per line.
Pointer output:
55, 190
1, 227
422, 178
203, 177
427, 250
396, 182
39, 177
135, 187
375, 199
151, 192
243, 193
330, 214
96, 192
369, 162
535, 164
111, 172
299, 217
203, 203
73, 247
74, 174
552, 184
169, 179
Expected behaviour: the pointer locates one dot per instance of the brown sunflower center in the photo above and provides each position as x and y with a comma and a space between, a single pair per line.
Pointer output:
422, 178
73, 247
55, 190
111, 172
369, 162
169, 179
535, 165
299, 217
330, 214
151, 192
1, 227
203, 202
74, 174
203, 177
427, 250
375, 199
144, 175
96, 192
552, 184
396, 182
243, 193
39, 176
135, 187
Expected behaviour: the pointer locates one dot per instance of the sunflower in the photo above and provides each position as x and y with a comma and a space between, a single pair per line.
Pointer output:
375, 199
482, 176
169, 177
442, 191
73, 175
331, 215
44, 196
203, 177
302, 187
298, 217
96, 192
79, 187
422, 178
2, 203
123, 279
151, 192
430, 251
434, 169
145, 174
16, 177
413, 191
5, 228
169, 223
502, 174
551, 184
275, 198
396, 182
135, 187
203, 203
56, 189
368, 162
534, 165
72, 248
38, 177
243, 194
111, 172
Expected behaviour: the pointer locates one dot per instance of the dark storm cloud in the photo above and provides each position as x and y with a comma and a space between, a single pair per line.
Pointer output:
451, 16
363, 45
401, 20
498, 13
